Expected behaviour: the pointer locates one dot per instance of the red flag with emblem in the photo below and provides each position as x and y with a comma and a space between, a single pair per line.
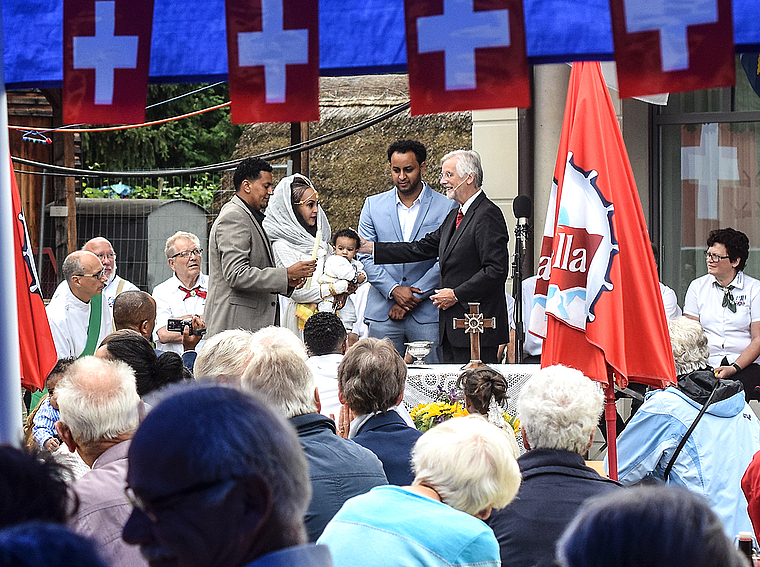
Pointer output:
598, 281
36, 345
466, 55
667, 46
273, 60
106, 58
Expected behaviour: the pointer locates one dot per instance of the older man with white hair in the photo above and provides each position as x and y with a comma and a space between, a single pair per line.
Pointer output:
559, 410
79, 318
100, 411
225, 356
338, 468
718, 450
182, 296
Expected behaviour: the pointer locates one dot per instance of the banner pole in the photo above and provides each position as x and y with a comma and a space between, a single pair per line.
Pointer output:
610, 417
10, 377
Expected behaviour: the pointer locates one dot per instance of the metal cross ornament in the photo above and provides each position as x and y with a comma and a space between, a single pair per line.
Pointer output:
475, 324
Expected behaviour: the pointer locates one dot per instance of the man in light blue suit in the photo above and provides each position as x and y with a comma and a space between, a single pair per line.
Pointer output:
398, 303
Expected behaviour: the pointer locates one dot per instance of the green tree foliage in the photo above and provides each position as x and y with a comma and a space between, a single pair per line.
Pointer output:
195, 141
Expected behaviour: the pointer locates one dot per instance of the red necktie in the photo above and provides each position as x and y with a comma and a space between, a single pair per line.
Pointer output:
460, 216
193, 292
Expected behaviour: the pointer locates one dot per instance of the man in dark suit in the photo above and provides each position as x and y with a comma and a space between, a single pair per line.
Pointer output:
471, 246
243, 281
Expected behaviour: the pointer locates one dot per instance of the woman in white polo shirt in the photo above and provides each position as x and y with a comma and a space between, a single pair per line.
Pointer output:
727, 303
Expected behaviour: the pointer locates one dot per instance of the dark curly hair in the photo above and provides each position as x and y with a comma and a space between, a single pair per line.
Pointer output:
480, 385
736, 243
406, 146
323, 333
346, 233
249, 168
31, 489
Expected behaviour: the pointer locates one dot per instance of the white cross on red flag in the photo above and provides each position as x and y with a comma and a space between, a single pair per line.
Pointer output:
273, 60
667, 46
466, 55
106, 56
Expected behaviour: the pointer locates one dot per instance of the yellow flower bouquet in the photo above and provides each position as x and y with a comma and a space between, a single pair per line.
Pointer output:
429, 415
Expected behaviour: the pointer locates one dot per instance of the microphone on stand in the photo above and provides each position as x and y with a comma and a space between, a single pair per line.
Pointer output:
522, 208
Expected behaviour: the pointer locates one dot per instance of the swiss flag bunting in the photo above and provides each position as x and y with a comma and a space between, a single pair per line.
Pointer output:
466, 55
37, 350
273, 60
672, 46
597, 298
106, 58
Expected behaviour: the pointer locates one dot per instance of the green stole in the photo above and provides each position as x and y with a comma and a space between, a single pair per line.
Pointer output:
93, 327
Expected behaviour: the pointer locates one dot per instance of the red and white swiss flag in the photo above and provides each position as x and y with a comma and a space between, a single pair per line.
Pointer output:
106, 59
666, 46
273, 60
466, 55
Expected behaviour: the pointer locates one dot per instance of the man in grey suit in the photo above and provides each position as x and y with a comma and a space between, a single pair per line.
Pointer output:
243, 282
397, 303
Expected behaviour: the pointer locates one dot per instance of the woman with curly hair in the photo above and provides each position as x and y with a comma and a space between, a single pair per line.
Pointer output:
726, 302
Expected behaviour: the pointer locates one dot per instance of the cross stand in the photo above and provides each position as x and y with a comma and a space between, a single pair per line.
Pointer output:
474, 324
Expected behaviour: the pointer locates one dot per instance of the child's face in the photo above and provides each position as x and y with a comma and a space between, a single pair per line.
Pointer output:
346, 247
52, 383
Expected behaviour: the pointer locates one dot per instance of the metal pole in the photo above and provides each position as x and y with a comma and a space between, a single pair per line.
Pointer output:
10, 377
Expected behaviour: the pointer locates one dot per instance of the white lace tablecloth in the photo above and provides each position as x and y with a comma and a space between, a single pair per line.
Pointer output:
424, 384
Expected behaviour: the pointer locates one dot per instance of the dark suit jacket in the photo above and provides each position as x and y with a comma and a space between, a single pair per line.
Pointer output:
474, 262
555, 484
391, 439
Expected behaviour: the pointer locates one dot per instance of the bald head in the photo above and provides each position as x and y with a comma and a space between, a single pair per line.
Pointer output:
135, 310
104, 251
82, 271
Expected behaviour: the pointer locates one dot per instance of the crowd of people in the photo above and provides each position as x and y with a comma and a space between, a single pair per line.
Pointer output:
254, 416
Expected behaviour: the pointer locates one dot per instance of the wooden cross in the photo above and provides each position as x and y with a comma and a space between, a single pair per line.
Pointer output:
474, 323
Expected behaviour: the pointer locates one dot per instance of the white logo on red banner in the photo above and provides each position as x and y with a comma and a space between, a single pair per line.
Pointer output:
106, 60
105, 51
584, 245
458, 32
466, 55
274, 47
672, 45
708, 163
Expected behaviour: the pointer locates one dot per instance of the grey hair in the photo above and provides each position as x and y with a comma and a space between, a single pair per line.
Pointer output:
468, 161
170, 250
219, 432
469, 463
689, 344
72, 265
371, 376
559, 408
282, 377
98, 400
225, 354
280, 336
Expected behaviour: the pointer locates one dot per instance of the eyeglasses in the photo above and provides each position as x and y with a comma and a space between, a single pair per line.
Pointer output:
149, 507
99, 275
714, 257
111, 256
187, 253
446, 175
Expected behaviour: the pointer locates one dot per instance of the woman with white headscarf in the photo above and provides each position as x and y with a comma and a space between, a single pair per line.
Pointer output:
294, 222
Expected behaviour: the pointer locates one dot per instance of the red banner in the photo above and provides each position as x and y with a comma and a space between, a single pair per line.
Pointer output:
598, 282
667, 46
273, 60
466, 55
36, 345
106, 57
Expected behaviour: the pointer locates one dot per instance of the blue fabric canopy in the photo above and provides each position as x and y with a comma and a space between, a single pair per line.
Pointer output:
356, 37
